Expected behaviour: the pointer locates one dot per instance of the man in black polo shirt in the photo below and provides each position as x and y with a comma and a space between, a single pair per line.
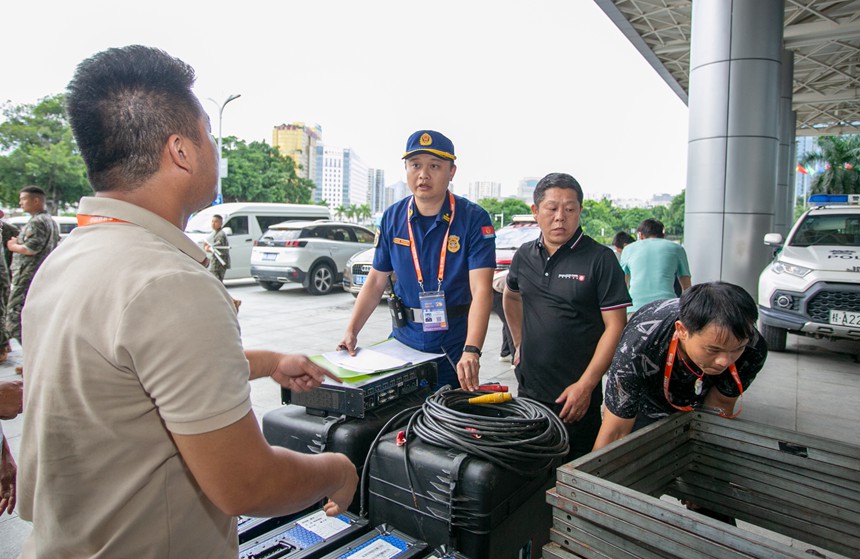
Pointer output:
565, 302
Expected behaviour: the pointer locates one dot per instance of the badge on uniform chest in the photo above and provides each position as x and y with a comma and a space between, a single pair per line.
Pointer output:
434, 315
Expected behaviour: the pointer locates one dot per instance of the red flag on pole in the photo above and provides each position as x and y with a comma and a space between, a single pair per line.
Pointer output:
800, 169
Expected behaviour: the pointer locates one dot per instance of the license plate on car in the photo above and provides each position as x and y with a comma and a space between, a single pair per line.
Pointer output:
270, 256
845, 318
359, 280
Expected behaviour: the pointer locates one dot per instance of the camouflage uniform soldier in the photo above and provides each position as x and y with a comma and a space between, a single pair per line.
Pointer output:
219, 262
36, 240
7, 231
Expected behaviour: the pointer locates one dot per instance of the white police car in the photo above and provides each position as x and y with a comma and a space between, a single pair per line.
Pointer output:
812, 287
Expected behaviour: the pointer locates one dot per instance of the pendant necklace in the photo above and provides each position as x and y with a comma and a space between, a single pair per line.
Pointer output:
667, 374
697, 387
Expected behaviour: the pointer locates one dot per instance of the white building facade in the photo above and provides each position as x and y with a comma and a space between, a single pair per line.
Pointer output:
342, 177
376, 194
484, 189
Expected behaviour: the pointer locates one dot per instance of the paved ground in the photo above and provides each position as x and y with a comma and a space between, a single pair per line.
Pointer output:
813, 387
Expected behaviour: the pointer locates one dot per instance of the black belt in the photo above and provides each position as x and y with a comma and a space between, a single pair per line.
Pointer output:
417, 315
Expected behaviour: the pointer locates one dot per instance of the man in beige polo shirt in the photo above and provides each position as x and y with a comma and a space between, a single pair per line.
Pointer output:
139, 439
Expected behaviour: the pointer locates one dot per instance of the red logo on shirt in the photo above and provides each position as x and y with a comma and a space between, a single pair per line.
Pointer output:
488, 232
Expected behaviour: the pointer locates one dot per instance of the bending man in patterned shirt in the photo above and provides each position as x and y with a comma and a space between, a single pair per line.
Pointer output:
710, 331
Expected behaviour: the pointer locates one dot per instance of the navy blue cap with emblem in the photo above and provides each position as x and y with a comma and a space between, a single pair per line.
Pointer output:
432, 142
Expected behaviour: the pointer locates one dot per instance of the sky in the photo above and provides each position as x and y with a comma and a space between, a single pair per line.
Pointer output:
521, 88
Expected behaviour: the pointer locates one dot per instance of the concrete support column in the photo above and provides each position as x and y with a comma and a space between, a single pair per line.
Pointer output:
786, 165
792, 174
735, 61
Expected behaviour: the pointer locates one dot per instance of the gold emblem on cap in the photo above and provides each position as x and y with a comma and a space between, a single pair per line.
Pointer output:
425, 139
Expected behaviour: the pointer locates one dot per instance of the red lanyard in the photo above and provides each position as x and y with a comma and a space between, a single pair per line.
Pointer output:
667, 372
84, 220
442, 254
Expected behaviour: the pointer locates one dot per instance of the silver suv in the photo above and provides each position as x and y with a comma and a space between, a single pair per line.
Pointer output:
312, 253
812, 287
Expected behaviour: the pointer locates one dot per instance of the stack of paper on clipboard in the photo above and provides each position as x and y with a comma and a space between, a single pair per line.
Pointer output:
385, 356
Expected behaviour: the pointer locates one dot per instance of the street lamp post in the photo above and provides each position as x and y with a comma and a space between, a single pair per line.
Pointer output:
219, 198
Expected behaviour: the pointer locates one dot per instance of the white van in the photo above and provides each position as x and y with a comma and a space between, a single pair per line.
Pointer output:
245, 222
65, 222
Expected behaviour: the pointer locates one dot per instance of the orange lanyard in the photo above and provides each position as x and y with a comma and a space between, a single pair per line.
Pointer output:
84, 220
442, 254
667, 372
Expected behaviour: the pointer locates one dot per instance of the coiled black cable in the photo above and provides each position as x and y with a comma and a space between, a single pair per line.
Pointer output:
522, 436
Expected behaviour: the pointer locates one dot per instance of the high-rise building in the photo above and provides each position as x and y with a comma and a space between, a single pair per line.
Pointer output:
394, 192
299, 142
376, 180
484, 189
526, 189
342, 177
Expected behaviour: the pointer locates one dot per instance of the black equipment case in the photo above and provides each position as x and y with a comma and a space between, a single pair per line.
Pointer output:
293, 428
480, 509
443, 553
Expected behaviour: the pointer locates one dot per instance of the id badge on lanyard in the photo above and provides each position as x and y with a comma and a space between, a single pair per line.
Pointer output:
434, 316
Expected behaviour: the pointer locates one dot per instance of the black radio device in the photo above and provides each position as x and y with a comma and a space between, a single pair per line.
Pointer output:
354, 398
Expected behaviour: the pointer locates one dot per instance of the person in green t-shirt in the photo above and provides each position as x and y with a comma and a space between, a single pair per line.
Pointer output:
651, 265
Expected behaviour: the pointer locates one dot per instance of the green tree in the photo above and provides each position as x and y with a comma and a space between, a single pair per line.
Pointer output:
799, 208
340, 211
601, 220
508, 208
494, 208
38, 148
841, 158
363, 213
674, 216
632, 217
259, 173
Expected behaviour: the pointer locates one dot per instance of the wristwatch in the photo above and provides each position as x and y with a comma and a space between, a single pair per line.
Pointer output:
471, 349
